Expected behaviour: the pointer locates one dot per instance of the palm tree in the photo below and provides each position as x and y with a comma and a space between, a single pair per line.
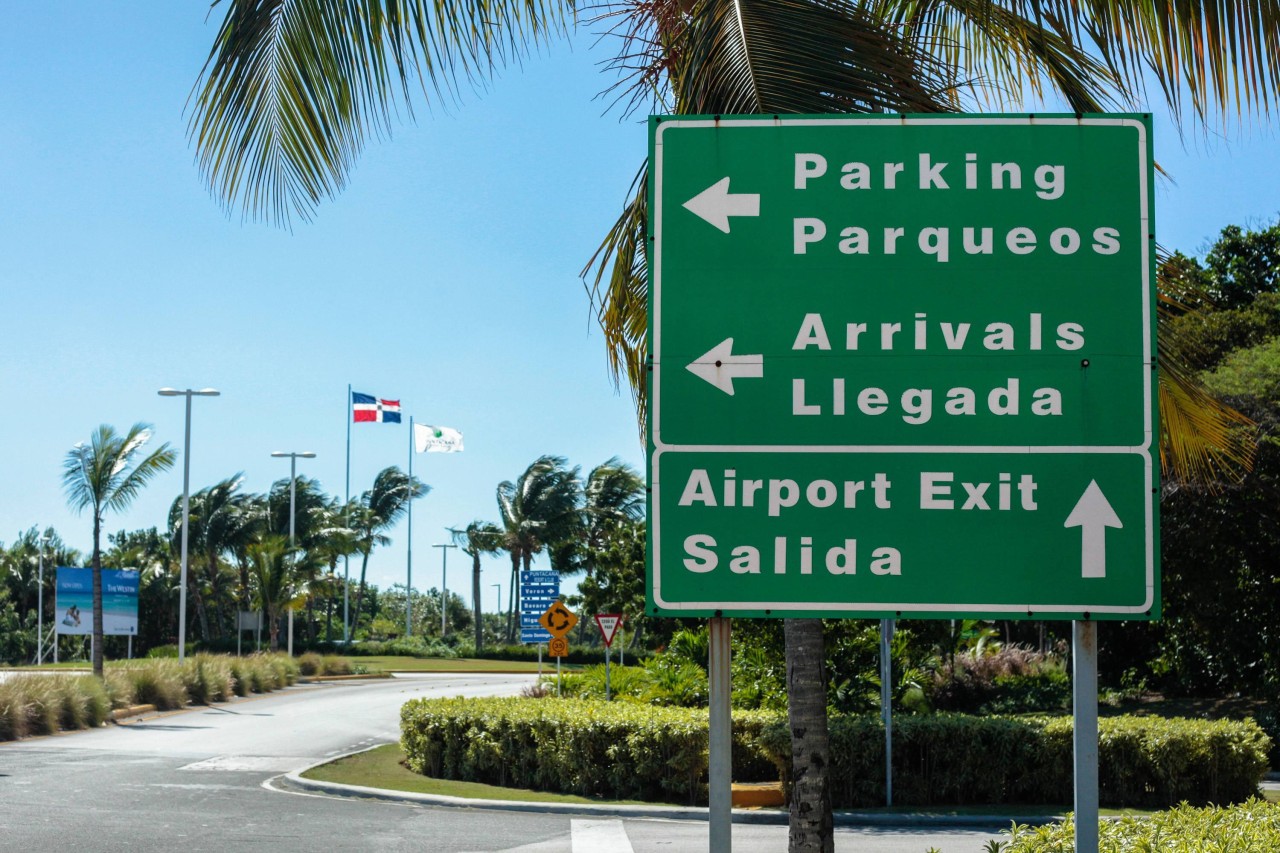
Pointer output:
476, 539
540, 510
277, 582
378, 510
108, 473
216, 520
288, 95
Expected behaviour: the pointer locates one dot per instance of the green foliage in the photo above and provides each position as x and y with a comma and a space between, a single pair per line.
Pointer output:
1253, 372
660, 680
1248, 827
1242, 264
949, 759
594, 749
151, 682
1005, 680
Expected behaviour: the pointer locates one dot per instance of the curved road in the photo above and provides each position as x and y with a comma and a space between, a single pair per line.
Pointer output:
193, 781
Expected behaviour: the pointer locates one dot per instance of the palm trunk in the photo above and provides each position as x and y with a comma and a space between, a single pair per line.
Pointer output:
475, 598
97, 596
355, 617
512, 600
811, 828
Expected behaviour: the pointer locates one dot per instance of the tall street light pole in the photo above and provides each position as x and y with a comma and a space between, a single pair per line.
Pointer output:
186, 509
293, 502
40, 604
497, 598
444, 586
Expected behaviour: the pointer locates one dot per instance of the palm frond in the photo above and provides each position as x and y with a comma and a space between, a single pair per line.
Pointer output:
291, 87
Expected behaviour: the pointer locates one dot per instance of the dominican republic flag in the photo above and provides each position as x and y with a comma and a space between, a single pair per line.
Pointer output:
367, 408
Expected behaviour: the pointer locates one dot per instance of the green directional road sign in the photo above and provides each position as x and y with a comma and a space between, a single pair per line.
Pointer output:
902, 365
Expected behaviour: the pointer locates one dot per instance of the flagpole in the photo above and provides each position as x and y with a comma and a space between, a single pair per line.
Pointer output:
346, 558
408, 581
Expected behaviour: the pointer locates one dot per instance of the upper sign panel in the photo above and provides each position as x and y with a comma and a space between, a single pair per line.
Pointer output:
920, 281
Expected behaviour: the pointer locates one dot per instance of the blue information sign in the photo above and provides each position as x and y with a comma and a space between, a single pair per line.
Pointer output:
538, 591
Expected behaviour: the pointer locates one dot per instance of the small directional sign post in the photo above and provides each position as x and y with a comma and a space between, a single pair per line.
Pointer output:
558, 620
538, 591
902, 366
608, 624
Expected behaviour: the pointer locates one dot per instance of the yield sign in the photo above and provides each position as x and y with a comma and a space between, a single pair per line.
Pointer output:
608, 623
558, 619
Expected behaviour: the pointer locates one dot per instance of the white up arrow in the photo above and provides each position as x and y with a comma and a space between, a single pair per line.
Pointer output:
720, 366
716, 204
1093, 515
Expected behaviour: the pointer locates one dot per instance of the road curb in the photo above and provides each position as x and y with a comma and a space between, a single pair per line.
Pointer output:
295, 781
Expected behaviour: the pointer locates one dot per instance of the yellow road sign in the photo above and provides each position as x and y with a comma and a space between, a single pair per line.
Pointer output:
558, 647
558, 619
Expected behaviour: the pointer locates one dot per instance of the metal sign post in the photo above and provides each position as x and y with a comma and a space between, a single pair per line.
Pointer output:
886, 704
1084, 701
720, 739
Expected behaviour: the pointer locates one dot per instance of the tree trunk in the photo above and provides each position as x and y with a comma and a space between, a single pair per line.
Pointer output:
811, 828
475, 598
355, 617
512, 602
97, 597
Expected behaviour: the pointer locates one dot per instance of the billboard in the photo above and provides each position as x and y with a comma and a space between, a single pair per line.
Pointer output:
74, 607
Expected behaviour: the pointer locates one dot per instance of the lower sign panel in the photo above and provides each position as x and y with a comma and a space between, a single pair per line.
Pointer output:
1009, 535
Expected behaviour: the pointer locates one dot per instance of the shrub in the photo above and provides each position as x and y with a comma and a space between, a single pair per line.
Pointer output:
1012, 680
335, 665
614, 750
13, 709
954, 759
310, 664
170, 651
1251, 826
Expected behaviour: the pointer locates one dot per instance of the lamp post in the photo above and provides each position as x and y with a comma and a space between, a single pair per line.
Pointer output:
40, 604
497, 597
186, 508
444, 586
293, 500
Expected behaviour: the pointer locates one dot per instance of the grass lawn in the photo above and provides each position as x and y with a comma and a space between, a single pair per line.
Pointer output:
381, 768
391, 663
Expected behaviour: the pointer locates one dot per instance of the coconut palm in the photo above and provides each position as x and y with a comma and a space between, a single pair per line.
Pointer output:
277, 583
215, 520
541, 510
107, 474
477, 539
378, 510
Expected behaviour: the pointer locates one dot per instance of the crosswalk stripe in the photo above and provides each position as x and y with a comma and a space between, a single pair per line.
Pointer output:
599, 836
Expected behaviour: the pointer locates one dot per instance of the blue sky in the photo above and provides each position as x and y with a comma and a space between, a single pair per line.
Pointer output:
445, 275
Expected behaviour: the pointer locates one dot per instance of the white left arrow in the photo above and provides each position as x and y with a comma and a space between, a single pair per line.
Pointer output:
1093, 515
720, 366
716, 204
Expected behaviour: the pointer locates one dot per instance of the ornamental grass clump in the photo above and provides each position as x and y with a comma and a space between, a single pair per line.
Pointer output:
207, 678
156, 682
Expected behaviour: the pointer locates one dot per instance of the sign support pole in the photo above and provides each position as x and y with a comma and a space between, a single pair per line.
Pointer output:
886, 705
1084, 700
720, 740
558, 682
607, 691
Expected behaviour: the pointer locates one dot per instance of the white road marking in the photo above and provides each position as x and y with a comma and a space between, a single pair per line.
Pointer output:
249, 763
599, 836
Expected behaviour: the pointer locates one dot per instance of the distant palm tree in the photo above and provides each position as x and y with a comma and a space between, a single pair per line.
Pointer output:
477, 539
377, 510
215, 522
276, 581
108, 473
540, 510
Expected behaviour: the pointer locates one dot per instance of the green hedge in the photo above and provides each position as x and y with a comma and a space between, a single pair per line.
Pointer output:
950, 759
1253, 827
623, 750
613, 750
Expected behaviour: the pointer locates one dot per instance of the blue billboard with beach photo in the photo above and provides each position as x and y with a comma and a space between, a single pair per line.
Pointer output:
74, 608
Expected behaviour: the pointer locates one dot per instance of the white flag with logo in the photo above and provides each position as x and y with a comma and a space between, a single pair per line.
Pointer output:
436, 439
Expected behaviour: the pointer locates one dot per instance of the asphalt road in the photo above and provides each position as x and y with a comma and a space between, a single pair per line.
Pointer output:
194, 781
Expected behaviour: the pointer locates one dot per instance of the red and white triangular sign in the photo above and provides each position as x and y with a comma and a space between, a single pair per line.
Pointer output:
608, 623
